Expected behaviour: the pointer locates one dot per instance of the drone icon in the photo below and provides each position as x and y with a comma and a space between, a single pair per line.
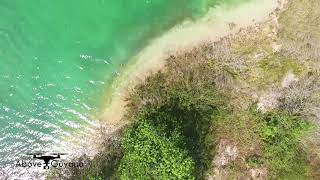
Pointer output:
46, 158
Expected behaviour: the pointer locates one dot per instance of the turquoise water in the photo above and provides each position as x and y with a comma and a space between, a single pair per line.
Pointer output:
58, 57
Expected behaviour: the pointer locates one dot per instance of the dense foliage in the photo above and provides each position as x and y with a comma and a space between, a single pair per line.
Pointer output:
148, 154
280, 133
169, 133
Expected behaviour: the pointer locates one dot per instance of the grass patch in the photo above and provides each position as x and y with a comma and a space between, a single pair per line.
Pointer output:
273, 69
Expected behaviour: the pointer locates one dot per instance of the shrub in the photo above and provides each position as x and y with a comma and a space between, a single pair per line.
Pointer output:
149, 154
303, 97
179, 111
282, 153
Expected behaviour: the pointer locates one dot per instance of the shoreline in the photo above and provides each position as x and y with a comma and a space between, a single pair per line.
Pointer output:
251, 65
217, 23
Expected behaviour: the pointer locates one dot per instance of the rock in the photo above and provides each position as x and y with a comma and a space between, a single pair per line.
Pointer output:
227, 151
269, 101
258, 173
289, 79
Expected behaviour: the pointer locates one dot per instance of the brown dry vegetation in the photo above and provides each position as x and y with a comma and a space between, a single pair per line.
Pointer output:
299, 30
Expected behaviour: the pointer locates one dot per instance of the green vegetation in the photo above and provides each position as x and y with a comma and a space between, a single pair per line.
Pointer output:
280, 133
148, 154
276, 67
177, 124
177, 120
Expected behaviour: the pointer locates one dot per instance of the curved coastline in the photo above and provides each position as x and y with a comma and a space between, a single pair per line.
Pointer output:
213, 26
219, 22
239, 51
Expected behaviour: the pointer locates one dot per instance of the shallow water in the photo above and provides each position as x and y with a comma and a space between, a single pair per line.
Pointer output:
57, 58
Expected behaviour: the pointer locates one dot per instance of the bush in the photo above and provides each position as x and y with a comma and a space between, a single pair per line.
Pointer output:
149, 154
282, 153
303, 96
171, 114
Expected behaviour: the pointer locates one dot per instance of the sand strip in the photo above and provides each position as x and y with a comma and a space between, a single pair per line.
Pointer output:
219, 22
